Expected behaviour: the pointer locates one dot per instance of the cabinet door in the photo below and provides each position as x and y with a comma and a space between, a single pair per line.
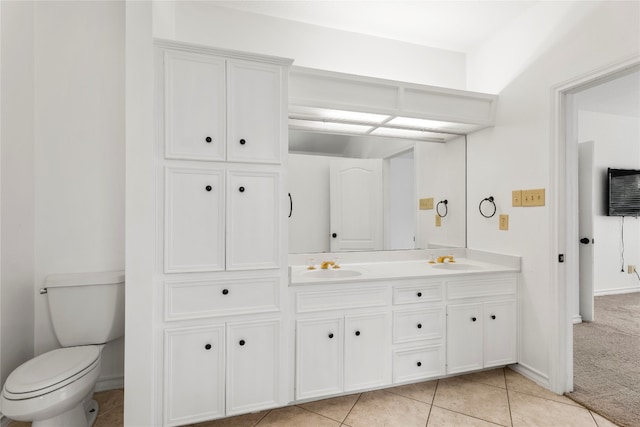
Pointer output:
499, 333
194, 220
464, 337
253, 356
255, 113
319, 357
194, 99
194, 374
367, 351
253, 220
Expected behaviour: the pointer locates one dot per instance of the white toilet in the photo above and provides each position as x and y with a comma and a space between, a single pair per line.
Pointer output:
56, 388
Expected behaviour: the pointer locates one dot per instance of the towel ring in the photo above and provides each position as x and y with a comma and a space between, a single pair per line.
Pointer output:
446, 209
490, 200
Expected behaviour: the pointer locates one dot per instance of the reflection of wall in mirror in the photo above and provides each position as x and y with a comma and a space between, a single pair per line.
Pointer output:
442, 175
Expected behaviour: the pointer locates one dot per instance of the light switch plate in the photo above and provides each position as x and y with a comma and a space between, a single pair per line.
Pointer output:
516, 198
438, 221
504, 222
426, 204
533, 197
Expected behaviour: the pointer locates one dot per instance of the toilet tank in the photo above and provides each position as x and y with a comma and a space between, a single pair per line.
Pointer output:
86, 308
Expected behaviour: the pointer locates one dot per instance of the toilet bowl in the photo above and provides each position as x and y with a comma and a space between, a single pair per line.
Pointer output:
51, 389
55, 389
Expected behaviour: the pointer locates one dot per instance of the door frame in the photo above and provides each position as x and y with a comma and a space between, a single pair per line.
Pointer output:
564, 238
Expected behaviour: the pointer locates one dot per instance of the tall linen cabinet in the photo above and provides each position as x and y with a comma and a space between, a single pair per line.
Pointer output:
221, 271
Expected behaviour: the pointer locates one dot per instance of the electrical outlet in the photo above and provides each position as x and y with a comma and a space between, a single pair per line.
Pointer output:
631, 269
516, 198
426, 204
504, 222
438, 221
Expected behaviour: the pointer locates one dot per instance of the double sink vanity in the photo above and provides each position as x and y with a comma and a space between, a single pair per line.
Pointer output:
370, 324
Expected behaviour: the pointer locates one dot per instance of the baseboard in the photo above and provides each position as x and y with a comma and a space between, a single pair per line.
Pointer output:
616, 291
577, 319
110, 383
534, 375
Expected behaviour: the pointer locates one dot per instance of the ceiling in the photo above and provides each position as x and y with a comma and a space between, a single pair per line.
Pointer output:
459, 26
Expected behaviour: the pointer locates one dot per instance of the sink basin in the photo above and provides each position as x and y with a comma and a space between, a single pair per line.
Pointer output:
332, 273
456, 267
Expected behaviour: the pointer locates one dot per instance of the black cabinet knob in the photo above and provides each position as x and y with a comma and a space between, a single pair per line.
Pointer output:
493, 316
419, 364
242, 142
207, 347
419, 294
241, 189
208, 139
357, 333
584, 240
225, 291
208, 188
473, 319
334, 235
330, 335
241, 342
419, 325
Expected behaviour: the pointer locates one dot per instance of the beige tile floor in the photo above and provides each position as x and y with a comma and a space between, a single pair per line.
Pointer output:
500, 397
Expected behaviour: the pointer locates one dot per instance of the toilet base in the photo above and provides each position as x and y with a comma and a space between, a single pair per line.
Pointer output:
79, 416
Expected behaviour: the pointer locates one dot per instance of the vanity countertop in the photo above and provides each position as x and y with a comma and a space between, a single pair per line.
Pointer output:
409, 269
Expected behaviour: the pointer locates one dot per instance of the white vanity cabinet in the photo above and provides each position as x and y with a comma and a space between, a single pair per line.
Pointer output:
221, 267
343, 338
204, 364
220, 108
481, 323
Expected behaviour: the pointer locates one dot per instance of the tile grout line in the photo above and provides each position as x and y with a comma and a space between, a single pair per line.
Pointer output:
320, 415
504, 374
468, 415
263, 417
433, 399
349, 413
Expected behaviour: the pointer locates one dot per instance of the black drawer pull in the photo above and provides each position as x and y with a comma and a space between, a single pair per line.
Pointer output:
208, 139
493, 316
241, 189
419, 364
419, 325
330, 335
473, 319
357, 333
225, 292
419, 294
207, 347
208, 188
241, 342
242, 142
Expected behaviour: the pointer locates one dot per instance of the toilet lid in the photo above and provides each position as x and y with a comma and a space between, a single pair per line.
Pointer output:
51, 369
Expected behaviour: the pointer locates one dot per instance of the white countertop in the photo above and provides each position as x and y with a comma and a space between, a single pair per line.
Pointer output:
409, 269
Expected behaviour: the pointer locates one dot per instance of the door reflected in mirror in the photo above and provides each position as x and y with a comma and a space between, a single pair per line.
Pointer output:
361, 193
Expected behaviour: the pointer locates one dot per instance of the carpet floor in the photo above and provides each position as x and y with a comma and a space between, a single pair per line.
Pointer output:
606, 360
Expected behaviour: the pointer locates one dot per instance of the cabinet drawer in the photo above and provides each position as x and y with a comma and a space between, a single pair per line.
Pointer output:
473, 288
410, 294
418, 325
207, 298
418, 363
307, 302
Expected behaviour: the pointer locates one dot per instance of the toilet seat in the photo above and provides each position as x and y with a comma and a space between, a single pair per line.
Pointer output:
50, 371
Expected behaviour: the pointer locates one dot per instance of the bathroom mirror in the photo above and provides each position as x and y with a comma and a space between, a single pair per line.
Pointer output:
362, 193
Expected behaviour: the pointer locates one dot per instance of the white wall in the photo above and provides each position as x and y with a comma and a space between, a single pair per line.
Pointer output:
524, 65
617, 145
17, 186
63, 161
317, 47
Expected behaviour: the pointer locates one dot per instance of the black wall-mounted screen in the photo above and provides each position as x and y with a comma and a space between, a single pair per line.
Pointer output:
624, 192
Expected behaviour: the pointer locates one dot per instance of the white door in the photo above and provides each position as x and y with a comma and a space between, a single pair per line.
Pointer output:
464, 337
252, 366
366, 351
254, 132
194, 382
319, 357
585, 210
356, 205
499, 333
194, 220
253, 218
194, 99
